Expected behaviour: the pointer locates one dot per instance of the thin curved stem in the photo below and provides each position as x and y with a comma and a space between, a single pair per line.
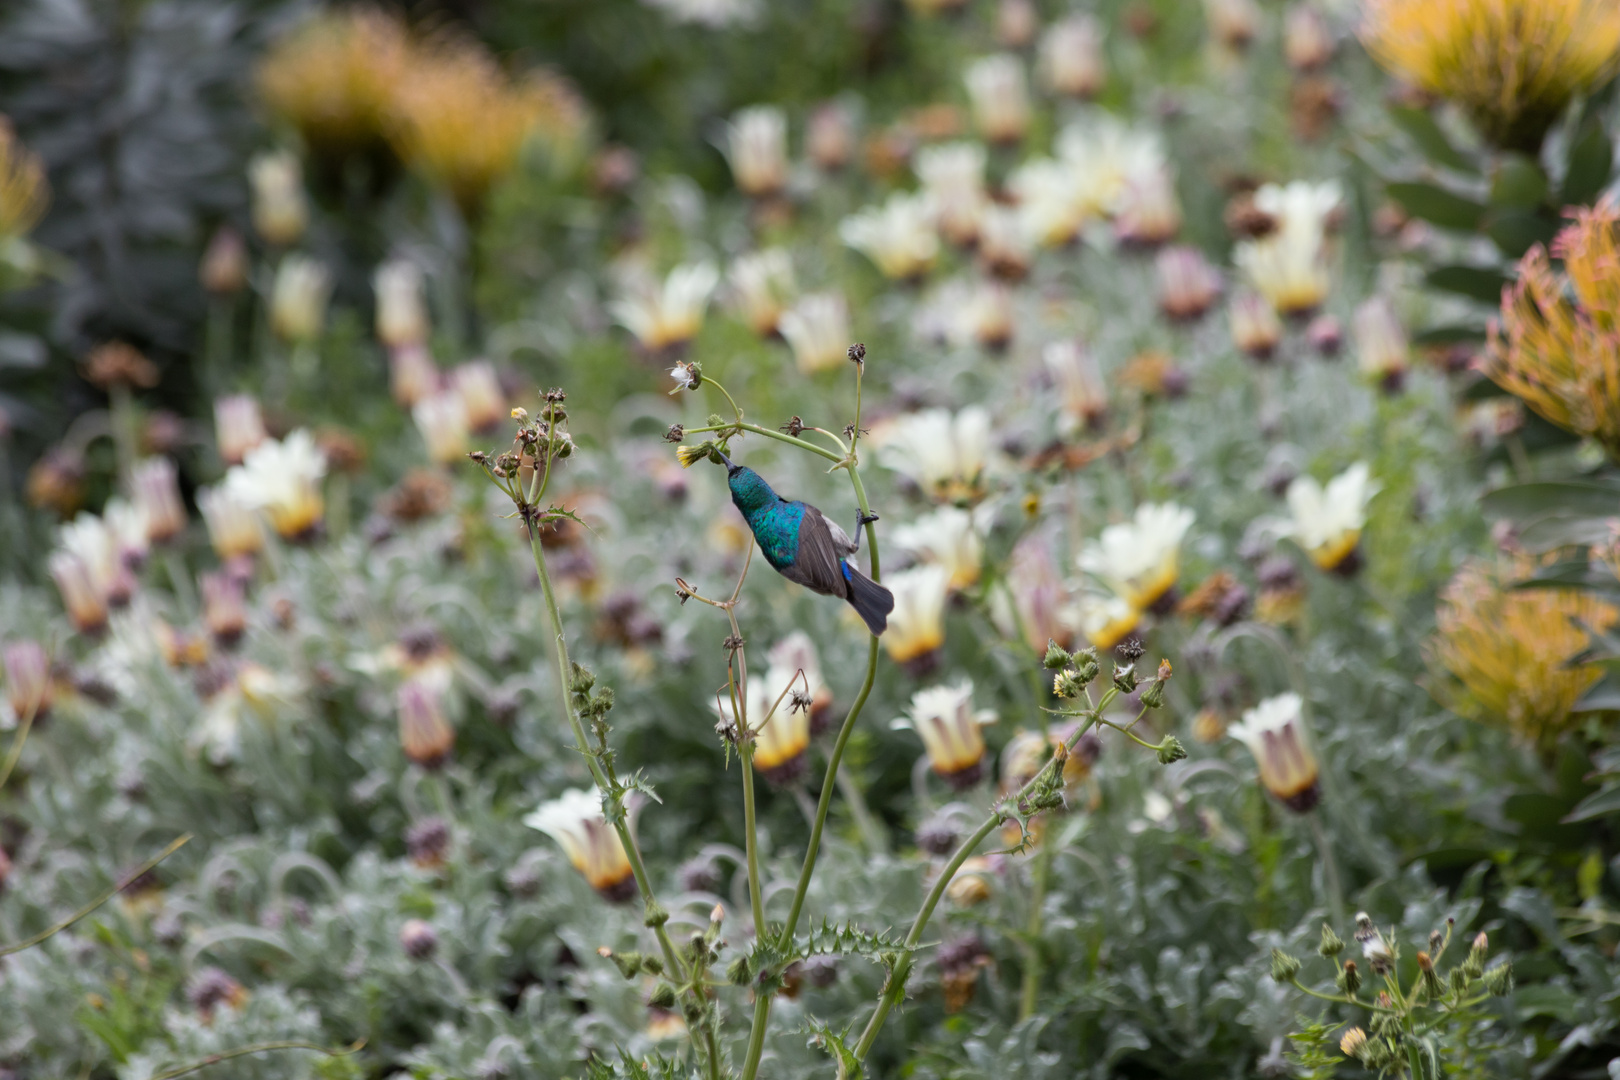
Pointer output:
28, 943
256, 1048
895, 989
17, 742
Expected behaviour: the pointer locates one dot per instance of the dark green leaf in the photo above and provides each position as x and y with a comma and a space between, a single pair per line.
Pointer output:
1599, 803
1438, 206
1479, 282
1553, 496
1519, 183
1515, 232
1591, 160
1421, 126
1448, 335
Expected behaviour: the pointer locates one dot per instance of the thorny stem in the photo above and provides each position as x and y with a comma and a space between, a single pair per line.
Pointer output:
895, 989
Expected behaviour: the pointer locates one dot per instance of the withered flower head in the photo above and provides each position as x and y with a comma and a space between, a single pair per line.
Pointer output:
119, 364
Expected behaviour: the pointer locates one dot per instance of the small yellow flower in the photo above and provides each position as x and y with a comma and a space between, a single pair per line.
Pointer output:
1508, 650
1512, 64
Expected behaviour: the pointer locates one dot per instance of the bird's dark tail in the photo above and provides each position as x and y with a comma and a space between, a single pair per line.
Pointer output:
871, 601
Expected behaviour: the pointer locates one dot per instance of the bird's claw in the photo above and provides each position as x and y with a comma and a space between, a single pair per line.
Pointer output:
863, 518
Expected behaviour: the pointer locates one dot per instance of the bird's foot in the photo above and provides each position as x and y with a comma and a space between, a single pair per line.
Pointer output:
862, 518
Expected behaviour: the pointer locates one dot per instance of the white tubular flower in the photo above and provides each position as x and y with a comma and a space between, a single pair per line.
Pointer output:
1051, 207
917, 624
1147, 212
949, 538
1005, 246
788, 657
1071, 58
1081, 392
945, 455
233, 527
238, 426
1233, 24
575, 821
668, 315
829, 138
999, 97
282, 479
986, 318
1188, 284
1307, 42
401, 315
817, 329
1274, 732
1289, 265
1382, 348
442, 420
28, 680
1106, 620
781, 734
944, 718
482, 398
1040, 599
127, 525
157, 497
280, 212
412, 374
298, 299
1327, 522
94, 545
85, 604
1105, 156
1140, 559
762, 286
953, 177
756, 147
1255, 326
898, 237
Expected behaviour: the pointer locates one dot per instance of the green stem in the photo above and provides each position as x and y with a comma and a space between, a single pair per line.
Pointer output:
1330, 869
779, 436
126, 435
756, 1034
26, 943
895, 990
1039, 872
755, 898
255, 1048
17, 742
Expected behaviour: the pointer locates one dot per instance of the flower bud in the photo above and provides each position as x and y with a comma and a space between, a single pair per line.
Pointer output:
1125, 679
1499, 979
1284, 968
424, 731
738, 973
1331, 944
28, 680
280, 211
1349, 979
1086, 665
1170, 750
829, 138
628, 963
427, 841
1429, 977
1056, 657
224, 263
663, 996
224, 607
298, 299
419, 940
1475, 964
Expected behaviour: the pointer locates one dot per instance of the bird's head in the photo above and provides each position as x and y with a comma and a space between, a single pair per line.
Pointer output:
748, 489
732, 468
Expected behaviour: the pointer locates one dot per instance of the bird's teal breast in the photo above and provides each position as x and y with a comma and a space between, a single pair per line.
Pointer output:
777, 530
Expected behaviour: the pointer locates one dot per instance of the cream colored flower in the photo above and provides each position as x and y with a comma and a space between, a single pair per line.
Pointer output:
1107, 158
1071, 57
953, 177
949, 537
401, 314
85, 604
944, 718
156, 485
945, 455
282, 479
898, 237
233, 527
1140, 559
484, 402
1289, 265
1256, 330
756, 147
95, 546
1327, 522
1082, 394
999, 97
1106, 619
442, 420
238, 426
1274, 732
298, 298
781, 733
669, 314
917, 623
817, 329
1382, 349
762, 287
280, 211
575, 821
787, 658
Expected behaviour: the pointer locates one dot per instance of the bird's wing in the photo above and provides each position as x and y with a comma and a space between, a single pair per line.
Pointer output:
840, 539
816, 566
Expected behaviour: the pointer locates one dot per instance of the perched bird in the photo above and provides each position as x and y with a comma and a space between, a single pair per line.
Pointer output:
805, 547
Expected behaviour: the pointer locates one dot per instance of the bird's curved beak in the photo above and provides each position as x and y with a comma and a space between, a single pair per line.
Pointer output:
731, 466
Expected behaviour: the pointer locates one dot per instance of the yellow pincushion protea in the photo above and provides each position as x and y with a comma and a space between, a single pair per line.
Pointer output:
1562, 358
1507, 651
1512, 64
462, 123
335, 79
24, 194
